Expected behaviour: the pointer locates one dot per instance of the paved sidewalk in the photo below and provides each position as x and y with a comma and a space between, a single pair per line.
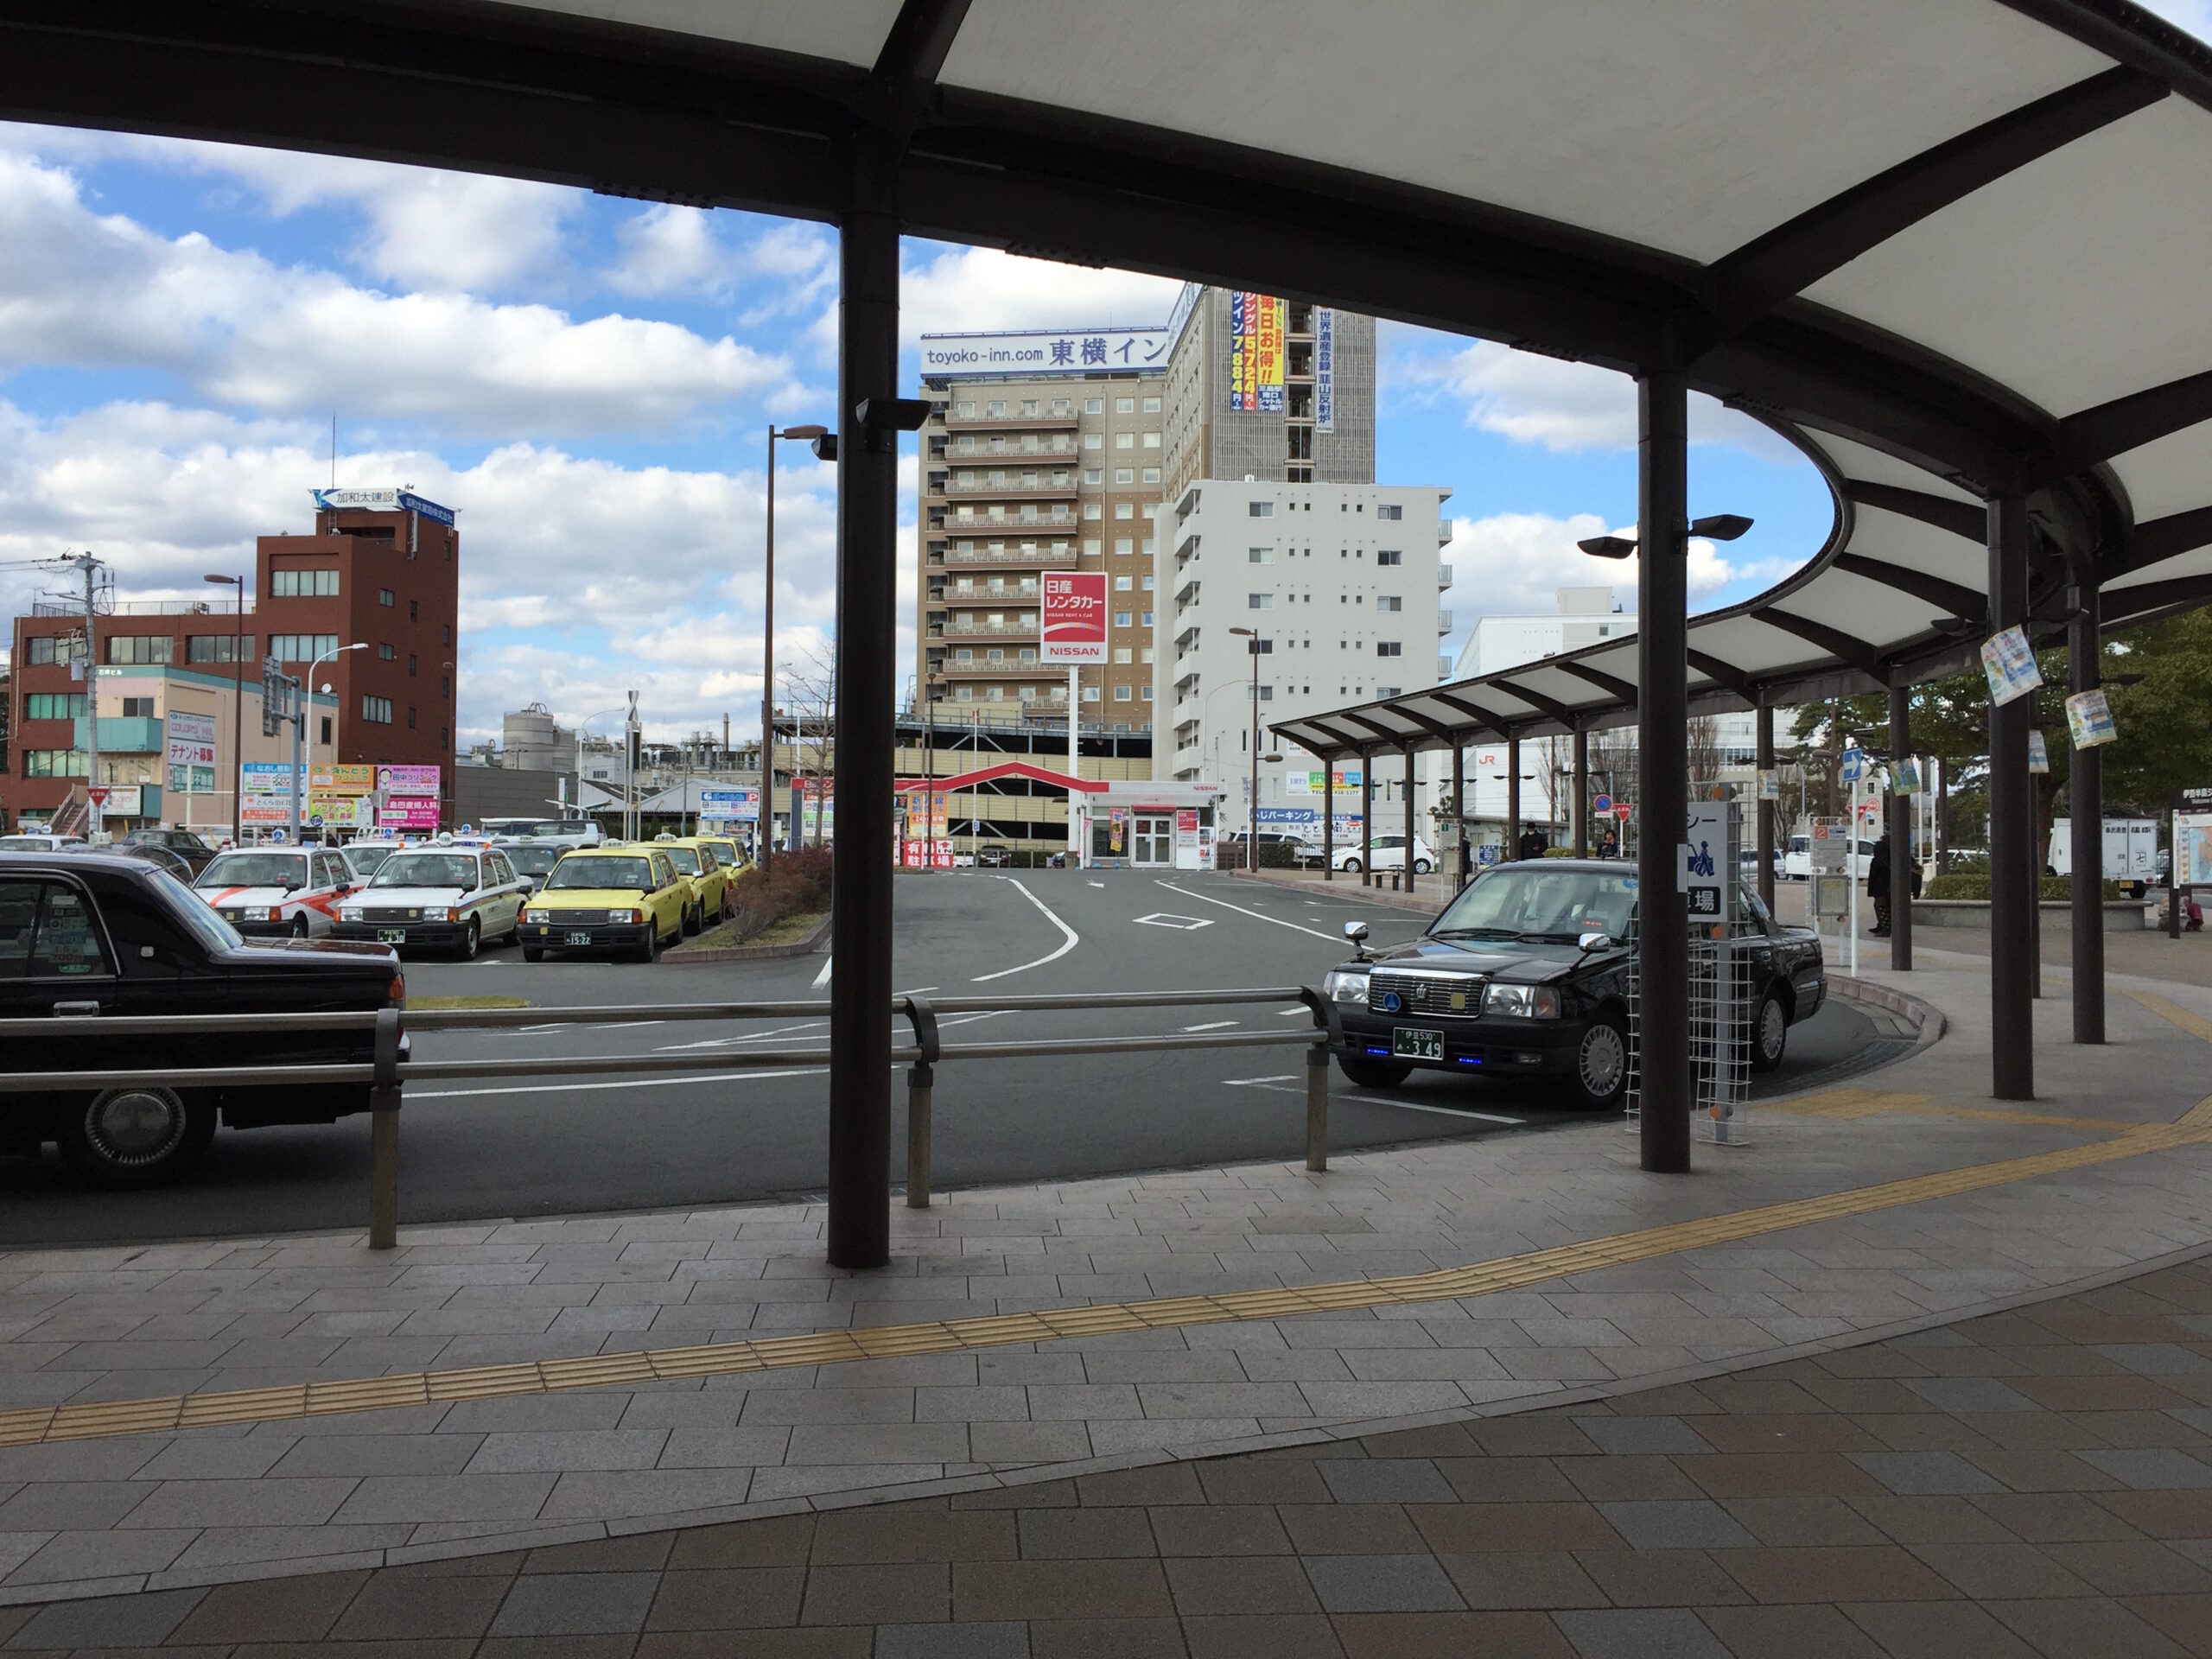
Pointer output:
1445, 1281
2031, 1482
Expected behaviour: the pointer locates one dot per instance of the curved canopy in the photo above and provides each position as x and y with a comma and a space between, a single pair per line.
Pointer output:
1958, 246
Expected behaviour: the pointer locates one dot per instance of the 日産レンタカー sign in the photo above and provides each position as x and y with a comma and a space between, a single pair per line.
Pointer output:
1074, 616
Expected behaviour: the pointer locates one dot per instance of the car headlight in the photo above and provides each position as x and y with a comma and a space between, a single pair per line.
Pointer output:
539, 916
269, 914
1522, 1001
625, 916
1345, 985
350, 913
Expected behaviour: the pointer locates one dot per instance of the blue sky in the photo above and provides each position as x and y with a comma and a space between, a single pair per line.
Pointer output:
588, 380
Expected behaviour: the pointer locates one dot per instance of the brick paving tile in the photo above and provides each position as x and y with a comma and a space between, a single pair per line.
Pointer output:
1266, 1636
1106, 1638
730, 1597
274, 1610
996, 1589
1789, 1633
1450, 1635
1938, 1630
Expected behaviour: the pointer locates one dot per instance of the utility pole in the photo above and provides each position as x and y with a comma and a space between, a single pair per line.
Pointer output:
632, 734
88, 567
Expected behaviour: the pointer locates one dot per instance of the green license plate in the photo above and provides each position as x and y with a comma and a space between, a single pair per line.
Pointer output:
1414, 1044
391, 935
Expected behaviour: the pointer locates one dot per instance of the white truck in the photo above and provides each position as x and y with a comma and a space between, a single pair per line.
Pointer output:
2131, 848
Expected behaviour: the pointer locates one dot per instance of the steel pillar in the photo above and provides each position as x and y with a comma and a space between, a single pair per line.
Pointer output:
2011, 826
2085, 801
1512, 795
1366, 818
1899, 850
1663, 766
1459, 810
867, 591
1581, 793
1328, 818
1413, 818
1764, 740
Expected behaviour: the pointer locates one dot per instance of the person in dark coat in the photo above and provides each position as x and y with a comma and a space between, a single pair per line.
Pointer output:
1610, 846
1878, 888
1532, 844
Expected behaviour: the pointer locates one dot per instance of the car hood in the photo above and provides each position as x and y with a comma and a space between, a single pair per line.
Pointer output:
587, 898
229, 895
1518, 963
405, 896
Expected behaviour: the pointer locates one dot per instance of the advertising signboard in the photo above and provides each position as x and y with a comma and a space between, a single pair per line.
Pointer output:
1074, 616
1032, 353
324, 778
804, 794
409, 812
192, 780
408, 780
265, 810
2009, 663
1256, 354
730, 806
380, 501
339, 811
1703, 867
191, 739
267, 777
1324, 369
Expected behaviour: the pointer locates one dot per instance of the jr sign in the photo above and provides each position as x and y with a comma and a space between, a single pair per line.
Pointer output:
1074, 616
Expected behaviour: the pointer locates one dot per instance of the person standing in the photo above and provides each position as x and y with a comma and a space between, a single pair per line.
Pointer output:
1878, 889
1610, 846
1466, 857
1533, 843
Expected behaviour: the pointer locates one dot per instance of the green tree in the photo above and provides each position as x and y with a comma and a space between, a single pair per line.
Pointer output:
2165, 722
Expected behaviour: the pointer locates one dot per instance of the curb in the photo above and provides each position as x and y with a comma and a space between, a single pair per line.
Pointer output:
1382, 896
1928, 1021
804, 947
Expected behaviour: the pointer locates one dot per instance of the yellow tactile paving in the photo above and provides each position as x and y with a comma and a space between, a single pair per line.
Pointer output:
1849, 1104
2195, 1024
114, 1418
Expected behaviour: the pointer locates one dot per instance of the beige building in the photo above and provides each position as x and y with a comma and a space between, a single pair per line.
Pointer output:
1026, 471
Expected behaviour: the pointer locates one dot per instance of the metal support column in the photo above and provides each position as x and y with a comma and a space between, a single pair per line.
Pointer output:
1512, 795
867, 592
1413, 819
1899, 850
1328, 818
1581, 793
1764, 739
1663, 768
1459, 810
1366, 818
2011, 826
2085, 796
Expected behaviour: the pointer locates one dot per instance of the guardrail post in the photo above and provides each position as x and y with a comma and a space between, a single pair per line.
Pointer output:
1317, 1076
920, 1091
383, 1135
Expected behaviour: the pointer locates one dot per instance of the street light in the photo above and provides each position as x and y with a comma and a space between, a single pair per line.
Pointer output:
1253, 645
1720, 527
300, 749
238, 707
825, 449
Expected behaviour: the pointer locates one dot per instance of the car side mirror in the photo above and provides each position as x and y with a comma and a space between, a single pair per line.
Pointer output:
1595, 941
1356, 932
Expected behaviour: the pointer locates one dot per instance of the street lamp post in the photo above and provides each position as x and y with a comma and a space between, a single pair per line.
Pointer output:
238, 707
825, 449
299, 733
1252, 645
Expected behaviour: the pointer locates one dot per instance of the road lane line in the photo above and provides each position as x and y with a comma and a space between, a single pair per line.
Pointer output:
823, 978
1333, 938
1441, 1111
1302, 1012
1072, 940
1213, 1025
1246, 1083
638, 1083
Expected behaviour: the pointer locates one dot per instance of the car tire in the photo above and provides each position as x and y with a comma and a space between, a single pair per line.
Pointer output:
533, 953
298, 927
1351, 867
1420, 867
1367, 1073
472, 940
1601, 1061
650, 950
1770, 1031
691, 923
136, 1137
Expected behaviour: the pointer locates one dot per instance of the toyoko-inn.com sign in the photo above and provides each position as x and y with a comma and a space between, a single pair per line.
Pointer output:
1074, 616
1067, 351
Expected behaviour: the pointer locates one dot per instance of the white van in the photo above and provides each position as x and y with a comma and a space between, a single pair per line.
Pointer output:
2131, 848
1797, 862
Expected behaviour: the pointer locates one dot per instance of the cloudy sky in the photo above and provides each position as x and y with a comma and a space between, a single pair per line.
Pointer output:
588, 380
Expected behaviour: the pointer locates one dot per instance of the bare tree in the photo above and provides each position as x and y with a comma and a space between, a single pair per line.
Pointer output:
1703, 737
813, 678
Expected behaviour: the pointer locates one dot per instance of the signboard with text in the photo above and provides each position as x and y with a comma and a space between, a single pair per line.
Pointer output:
325, 778
1074, 616
1044, 351
730, 806
191, 739
409, 812
266, 778
408, 780
1256, 352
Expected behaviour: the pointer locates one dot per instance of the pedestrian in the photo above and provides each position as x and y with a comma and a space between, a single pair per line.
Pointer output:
1533, 843
1878, 889
1610, 846
1466, 858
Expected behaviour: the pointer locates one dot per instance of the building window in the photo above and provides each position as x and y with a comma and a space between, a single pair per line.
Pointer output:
376, 710
1125, 440
1147, 694
1148, 584
40, 648
444, 738
1126, 618
137, 708
1093, 509
141, 649
1124, 544
1121, 585
1389, 511
1148, 619
303, 584
1125, 510
1387, 555
302, 647
449, 634
387, 653
53, 705
445, 686
54, 763
1123, 656
1125, 405
1259, 509
1124, 694
325, 729
1125, 474
1262, 555
1094, 440
1388, 648
1151, 476
1152, 439
1094, 406
1091, 545
410, 664
414, 611
411, 716
1152, 405
1094, 476
386, 598
217, 648
1091, 694
1389, 602
1259, 602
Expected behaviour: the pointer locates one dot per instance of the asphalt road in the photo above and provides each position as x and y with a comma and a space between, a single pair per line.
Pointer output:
512, 1147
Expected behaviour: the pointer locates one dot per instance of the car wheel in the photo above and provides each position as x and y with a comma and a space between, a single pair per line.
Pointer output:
472, 939
1367, 1073
533, 953
136, 1137
1770, 1032
1351, 867
298, 927
650, 950
1420, 867
691, 924
1601, 1061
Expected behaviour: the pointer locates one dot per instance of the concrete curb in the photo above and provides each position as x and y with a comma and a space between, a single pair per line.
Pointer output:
1382, 896
804, 947
1927, 1020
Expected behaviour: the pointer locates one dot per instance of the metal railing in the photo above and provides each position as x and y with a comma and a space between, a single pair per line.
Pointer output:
390, 1068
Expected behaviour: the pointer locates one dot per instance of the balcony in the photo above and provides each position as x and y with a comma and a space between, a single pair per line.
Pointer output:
980, 669
1010, 490
1010, 422
1005, 556
1032, 450
1444, 532
962, 630
1443, 576
124, 735
1444, 621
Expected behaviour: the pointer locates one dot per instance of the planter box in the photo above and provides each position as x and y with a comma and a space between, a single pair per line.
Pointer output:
2121, 915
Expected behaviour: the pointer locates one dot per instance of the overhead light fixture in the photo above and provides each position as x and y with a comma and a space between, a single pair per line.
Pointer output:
1718, 527
1608, 547
1952, 626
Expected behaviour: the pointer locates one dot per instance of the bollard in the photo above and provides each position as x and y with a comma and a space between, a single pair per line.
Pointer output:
919, 1081
1316, 1107
383, 1135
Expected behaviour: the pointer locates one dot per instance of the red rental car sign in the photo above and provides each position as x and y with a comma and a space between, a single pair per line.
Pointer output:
1074, 616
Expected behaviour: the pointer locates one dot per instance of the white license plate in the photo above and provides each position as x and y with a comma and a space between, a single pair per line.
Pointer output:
578, 939
1416, 1044
391, 935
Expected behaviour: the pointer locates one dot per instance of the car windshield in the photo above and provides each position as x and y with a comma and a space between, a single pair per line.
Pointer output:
426, 870
635, 875
685, 859
529, 829
189, 912
532, 861
724, 851
24, 844
255, 870
1535, 903
368, 860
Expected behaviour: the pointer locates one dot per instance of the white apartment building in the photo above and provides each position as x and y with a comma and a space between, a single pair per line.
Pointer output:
1340, 584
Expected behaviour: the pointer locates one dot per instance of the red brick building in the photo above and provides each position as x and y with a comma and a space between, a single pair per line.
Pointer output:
381, 567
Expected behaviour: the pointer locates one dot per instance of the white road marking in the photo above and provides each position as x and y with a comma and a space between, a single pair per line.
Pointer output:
823, 978
1206, 898
1441, 1111
1299, 1012
1070, 943
1169, 918
618, 1025
635, 1082
1212, 1025
1246, 1083
1098, 884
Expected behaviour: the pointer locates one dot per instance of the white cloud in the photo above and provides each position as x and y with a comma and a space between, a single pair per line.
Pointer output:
948, 290
78, 289
2194, 15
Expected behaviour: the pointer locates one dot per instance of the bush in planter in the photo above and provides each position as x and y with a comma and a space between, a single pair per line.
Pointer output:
793, 883
2057, 889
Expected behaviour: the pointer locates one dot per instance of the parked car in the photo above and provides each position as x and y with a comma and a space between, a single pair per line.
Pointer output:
37, 841
367, 855
533, 859
446, 898
278, 891
159, 857
88, 937
1797, 862
1526, 971
625, 899
728, 853
562, 832
697, 861
1390, 853
994, 858
195, 851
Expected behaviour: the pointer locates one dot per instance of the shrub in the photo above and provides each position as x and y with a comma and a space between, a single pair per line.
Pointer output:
2057, 889
793, 883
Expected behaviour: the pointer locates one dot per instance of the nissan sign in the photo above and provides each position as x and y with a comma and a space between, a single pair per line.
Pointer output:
1074, 616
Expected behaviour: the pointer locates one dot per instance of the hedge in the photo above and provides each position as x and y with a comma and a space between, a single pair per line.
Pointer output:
2057, 888
793, 883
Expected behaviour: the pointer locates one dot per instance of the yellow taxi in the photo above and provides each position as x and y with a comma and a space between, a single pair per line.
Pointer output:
701, 866
625, 899
728, 853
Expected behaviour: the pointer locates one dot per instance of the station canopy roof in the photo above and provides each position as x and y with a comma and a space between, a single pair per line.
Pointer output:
1953, 247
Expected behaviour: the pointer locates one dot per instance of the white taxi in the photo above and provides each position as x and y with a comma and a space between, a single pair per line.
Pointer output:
269, 892
450, 896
